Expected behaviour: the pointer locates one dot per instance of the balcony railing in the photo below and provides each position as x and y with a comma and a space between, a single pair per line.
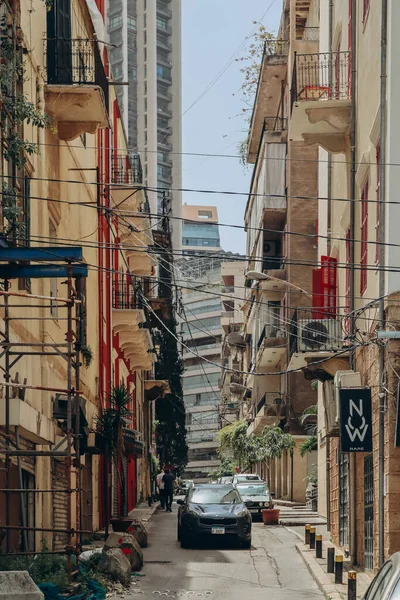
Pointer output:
270, 330
75, 62
309, 34
276, 48
270, 399
321, 76
126, 169
127, 295
275, 124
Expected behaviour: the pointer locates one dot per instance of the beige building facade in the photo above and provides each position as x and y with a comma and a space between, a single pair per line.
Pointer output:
73, 324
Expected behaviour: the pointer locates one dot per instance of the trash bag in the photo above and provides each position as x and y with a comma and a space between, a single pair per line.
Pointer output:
96, 592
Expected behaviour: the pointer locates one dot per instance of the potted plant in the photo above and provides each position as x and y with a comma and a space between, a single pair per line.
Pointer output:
275, 442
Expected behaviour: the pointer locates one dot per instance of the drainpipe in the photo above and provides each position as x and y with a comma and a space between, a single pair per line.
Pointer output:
353, 141
328, 441
382, 217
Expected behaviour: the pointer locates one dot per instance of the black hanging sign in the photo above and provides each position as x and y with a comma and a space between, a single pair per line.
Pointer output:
355, 420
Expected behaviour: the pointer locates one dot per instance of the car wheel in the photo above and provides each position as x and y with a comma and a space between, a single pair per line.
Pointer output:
246, 544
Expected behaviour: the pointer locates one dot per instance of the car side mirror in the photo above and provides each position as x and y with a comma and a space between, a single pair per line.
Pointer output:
180, 501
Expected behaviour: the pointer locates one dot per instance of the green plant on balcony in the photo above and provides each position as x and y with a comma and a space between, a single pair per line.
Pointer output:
87, 355
309, 422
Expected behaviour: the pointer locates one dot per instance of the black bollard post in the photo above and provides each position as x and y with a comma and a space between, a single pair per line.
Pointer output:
339, 569
331, 560
307, 535
318, 546
352, 586
312, 538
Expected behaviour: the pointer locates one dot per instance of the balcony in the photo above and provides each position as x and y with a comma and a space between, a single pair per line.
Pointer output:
270, 410
317, 334
269, 90
126, 169
321, 100
271, 346
76, 88
128, 319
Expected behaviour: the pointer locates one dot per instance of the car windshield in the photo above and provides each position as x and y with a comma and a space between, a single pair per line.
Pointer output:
243, 478
249, 489
214, 496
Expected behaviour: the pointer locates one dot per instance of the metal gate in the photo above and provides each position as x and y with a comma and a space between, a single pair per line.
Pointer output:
343, 500
87, 494
59, 478
369, 512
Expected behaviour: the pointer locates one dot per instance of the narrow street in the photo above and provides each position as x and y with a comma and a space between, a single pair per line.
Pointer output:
223, 572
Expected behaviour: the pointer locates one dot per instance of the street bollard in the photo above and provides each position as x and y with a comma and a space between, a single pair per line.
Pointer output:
307, 535
312, 538
318, 546
331, 560
352, 586
339, 569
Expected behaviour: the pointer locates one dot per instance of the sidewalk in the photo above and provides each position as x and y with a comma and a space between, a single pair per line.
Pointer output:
318, 567
144, 512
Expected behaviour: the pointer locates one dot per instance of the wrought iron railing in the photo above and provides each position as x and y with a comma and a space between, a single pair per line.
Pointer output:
321, 76
126, 169
75, 62
270, 330
127, 294
276, 48
275, 399
275, 124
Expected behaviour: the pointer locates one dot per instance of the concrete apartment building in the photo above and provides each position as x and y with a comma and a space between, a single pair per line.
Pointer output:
71, 332
201, 331
233, 296
279, 271
145, 38
349, 110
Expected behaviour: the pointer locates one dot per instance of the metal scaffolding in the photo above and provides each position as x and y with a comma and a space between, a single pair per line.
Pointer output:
42, 308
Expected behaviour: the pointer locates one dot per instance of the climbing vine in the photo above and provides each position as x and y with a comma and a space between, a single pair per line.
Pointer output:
15, 112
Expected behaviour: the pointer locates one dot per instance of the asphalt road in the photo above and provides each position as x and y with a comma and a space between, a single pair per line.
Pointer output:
272, 569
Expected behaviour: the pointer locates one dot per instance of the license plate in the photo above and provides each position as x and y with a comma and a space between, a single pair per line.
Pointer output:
218, 530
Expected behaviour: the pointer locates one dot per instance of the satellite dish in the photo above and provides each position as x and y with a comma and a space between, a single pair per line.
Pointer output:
314, 335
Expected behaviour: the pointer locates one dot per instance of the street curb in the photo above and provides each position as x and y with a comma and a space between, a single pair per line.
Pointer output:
320, 577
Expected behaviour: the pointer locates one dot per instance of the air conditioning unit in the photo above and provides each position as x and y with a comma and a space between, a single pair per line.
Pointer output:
319, 334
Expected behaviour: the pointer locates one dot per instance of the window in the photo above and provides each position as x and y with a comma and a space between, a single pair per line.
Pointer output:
116, 21
378, 204
131, 23
364, 239
365, 10
134, 73
163, 72
205, 214
162, 23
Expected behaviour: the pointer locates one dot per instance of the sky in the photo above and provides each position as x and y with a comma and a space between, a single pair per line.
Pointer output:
212, 32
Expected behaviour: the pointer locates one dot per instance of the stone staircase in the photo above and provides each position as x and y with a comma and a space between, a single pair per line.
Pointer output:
293, 514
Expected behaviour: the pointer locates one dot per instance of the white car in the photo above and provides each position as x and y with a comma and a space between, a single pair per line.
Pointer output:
245, 478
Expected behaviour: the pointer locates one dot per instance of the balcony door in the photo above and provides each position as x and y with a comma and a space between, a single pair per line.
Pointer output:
59, 43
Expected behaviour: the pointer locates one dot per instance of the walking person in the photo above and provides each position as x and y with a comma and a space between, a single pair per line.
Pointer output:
169, 482
160, 487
